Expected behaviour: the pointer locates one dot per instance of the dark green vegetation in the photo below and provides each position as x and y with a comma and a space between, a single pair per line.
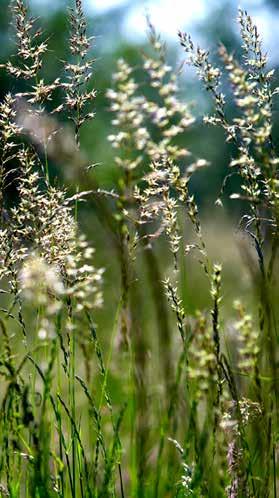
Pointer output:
157, 377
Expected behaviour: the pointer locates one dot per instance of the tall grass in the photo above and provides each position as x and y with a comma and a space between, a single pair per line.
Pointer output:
179, 400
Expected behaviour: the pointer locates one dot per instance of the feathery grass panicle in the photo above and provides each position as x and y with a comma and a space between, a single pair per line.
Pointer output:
249, 341
129, 118
209, 74
252, 131
78, 95
30, 48
185, 485
165, 110
176, 306
202, 360
9, 130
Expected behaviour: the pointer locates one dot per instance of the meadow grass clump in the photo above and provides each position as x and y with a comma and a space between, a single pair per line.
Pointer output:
172, 400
